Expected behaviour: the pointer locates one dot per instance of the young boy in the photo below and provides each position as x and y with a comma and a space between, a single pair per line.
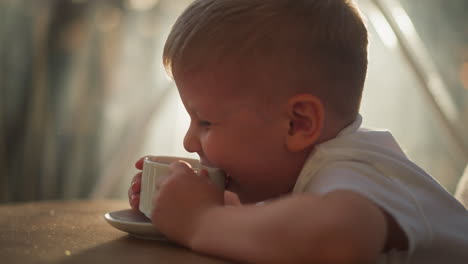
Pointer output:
273, 89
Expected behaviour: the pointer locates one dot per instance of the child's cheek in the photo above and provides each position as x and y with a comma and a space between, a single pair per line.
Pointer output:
215, 150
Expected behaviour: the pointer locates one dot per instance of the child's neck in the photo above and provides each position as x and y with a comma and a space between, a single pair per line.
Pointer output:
332, 128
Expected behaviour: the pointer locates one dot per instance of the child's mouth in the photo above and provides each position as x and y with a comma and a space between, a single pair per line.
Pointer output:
227, 181
205, 162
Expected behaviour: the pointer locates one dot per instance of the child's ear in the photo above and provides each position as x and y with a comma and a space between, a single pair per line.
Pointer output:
306, 116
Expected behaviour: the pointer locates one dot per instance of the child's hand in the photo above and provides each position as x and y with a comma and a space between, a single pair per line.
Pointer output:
231, 199
183, 199
134, 191
135, 186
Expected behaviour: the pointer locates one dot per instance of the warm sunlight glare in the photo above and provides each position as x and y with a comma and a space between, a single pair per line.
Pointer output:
383, 28
142, 5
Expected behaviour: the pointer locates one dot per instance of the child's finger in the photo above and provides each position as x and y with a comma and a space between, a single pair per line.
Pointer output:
129, 193
204, 173
137, 176
135, 201
139, 162
160, 181
231, 199
136, 184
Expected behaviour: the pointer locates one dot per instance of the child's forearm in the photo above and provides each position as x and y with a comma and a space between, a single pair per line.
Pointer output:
298, 229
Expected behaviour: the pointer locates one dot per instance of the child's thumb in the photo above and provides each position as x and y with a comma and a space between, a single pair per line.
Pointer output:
204, 173
231, 199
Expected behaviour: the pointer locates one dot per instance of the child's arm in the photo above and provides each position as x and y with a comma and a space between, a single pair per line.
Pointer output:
340, 227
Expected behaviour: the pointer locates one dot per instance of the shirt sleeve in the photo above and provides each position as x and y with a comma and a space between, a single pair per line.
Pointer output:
386, 192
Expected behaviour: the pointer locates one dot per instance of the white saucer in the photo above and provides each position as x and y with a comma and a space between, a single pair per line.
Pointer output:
134, 223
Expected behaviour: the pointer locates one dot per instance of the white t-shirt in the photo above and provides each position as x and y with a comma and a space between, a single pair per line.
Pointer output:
372, 164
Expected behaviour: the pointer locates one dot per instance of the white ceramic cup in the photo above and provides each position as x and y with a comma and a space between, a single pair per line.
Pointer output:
159, 167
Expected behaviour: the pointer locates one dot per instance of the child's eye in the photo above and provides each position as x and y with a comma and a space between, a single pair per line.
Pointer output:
204, 123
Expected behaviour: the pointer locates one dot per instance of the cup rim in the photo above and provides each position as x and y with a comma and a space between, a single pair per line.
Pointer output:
171, 159
195, 163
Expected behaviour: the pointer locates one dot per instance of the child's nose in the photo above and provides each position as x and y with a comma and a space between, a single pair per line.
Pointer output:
191, 140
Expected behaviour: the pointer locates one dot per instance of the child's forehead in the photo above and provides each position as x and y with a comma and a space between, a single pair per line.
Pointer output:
212, 103
221, 79
237, 78
220, 90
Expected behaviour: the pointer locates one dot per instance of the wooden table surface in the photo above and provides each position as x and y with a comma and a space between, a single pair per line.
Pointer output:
76, 232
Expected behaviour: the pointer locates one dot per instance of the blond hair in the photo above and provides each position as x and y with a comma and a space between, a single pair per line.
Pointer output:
318, 46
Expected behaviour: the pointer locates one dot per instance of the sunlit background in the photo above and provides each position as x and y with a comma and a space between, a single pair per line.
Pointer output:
83, 93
